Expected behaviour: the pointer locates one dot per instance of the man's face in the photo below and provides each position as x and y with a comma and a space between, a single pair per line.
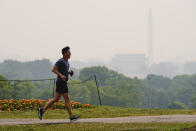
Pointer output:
68, 54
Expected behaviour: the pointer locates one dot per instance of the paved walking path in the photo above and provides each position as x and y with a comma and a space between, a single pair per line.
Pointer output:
134, 119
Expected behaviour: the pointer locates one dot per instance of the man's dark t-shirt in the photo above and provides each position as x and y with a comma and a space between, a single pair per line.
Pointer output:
63, 68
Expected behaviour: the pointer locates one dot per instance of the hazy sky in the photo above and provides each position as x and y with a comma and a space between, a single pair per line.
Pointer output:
96, 29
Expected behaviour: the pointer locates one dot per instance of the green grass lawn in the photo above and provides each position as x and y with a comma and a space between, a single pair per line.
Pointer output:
97, 112
101, 127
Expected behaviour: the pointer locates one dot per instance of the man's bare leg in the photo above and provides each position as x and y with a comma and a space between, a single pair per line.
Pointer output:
53, 100
47, 105
67, 103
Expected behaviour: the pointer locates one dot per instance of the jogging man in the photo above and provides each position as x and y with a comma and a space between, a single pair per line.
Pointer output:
61, 69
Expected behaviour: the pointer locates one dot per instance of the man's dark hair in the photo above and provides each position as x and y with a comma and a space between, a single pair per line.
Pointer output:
65, 49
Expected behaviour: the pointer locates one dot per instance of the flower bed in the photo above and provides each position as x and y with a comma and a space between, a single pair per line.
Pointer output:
32, 104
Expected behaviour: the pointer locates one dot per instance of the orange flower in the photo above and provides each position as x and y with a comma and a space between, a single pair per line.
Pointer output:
29, 104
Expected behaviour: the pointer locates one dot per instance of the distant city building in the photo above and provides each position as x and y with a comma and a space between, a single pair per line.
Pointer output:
130, 64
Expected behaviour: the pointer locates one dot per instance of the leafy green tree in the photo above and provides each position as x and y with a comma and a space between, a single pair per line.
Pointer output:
4, 90
176, 105
79, 92
37, 69
21, 90
116, 97
115, 89
102, 73
193, 102
44, 94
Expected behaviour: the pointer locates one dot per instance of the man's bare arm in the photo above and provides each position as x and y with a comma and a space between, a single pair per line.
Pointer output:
55, 70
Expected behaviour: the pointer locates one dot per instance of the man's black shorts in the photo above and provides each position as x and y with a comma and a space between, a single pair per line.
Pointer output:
61, 87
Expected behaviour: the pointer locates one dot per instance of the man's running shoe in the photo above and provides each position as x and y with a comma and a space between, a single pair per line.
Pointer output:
74, 118
40, 113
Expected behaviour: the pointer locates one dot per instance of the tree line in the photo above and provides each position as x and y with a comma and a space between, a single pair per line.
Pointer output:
154, 91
